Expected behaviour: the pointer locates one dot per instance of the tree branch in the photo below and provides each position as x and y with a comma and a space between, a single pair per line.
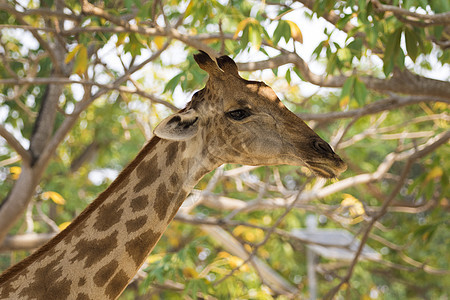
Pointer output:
39, 11
411, 156
393, 102
27, 241
15, 144
429, 20
401, 82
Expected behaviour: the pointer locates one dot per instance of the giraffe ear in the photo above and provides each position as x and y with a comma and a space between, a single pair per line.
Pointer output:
205, 62
178, 127
228, 65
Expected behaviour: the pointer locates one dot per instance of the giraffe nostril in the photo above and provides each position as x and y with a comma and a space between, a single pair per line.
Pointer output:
322, 146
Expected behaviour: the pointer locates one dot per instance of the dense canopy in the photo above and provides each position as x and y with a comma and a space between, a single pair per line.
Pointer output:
83, 84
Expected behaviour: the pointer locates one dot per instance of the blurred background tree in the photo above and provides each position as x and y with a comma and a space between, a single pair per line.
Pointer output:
82, 84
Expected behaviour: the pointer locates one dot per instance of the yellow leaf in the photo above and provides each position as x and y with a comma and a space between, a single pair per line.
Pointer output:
357, 220
121, 38
211, 40
239, 230
159, 42
72, 54
81, 61
57, 198
434, 173
189, 272
344, 101
223, 254
15, 171
441, 106
295, 32
235, 261
64, 225
242, 25
189, 8
154, 258
354, 206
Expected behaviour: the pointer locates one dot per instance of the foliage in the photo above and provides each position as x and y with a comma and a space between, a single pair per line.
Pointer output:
376, 99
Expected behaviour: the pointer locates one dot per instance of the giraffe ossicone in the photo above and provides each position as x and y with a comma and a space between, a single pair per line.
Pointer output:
231, 120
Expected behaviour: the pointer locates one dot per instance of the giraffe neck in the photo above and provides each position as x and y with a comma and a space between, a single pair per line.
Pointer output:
99, 253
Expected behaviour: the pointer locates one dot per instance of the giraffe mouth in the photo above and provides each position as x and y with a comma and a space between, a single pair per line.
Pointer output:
321, 170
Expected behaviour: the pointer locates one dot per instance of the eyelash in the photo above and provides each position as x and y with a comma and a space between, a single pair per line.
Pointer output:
238, 114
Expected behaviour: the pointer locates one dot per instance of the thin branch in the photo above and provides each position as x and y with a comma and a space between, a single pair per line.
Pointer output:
10, 161
429, 20
40, 12
46, 219
15, 144
64, 81
25, 241
268, 233
416, 154
44, 44
401, 82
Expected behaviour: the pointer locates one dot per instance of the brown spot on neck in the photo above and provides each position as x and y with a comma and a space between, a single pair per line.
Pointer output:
94, 251
115, 186
48, 281
83, 296
140, 246
174, 179
6, 290
82, 281
171, 152
105, 273
139, 203
136, 224
163, 199
117, 284
109, 214
147, 173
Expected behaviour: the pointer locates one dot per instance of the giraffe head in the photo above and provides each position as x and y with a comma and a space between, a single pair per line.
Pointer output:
239, 121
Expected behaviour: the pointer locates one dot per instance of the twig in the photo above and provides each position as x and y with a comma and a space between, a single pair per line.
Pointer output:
429, 20
15, 144
46, 219
268, 234
411, 159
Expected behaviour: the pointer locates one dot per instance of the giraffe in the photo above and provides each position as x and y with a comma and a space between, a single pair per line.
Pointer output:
231, 120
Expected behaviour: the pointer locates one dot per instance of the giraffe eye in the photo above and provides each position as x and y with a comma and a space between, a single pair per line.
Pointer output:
238, 114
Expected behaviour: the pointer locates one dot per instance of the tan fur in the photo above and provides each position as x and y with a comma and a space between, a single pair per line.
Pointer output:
99, 253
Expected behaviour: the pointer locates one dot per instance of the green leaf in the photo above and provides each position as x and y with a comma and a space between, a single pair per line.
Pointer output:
172, 84
297, 71
372, 32
400, 59
134, 45
295, 32
343, 21
283, 30
392, 50
318, 49
275, 71
411, 43
347, 87
288, 76
356, 47
254, 35
344, 54
245, 37
360, 92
